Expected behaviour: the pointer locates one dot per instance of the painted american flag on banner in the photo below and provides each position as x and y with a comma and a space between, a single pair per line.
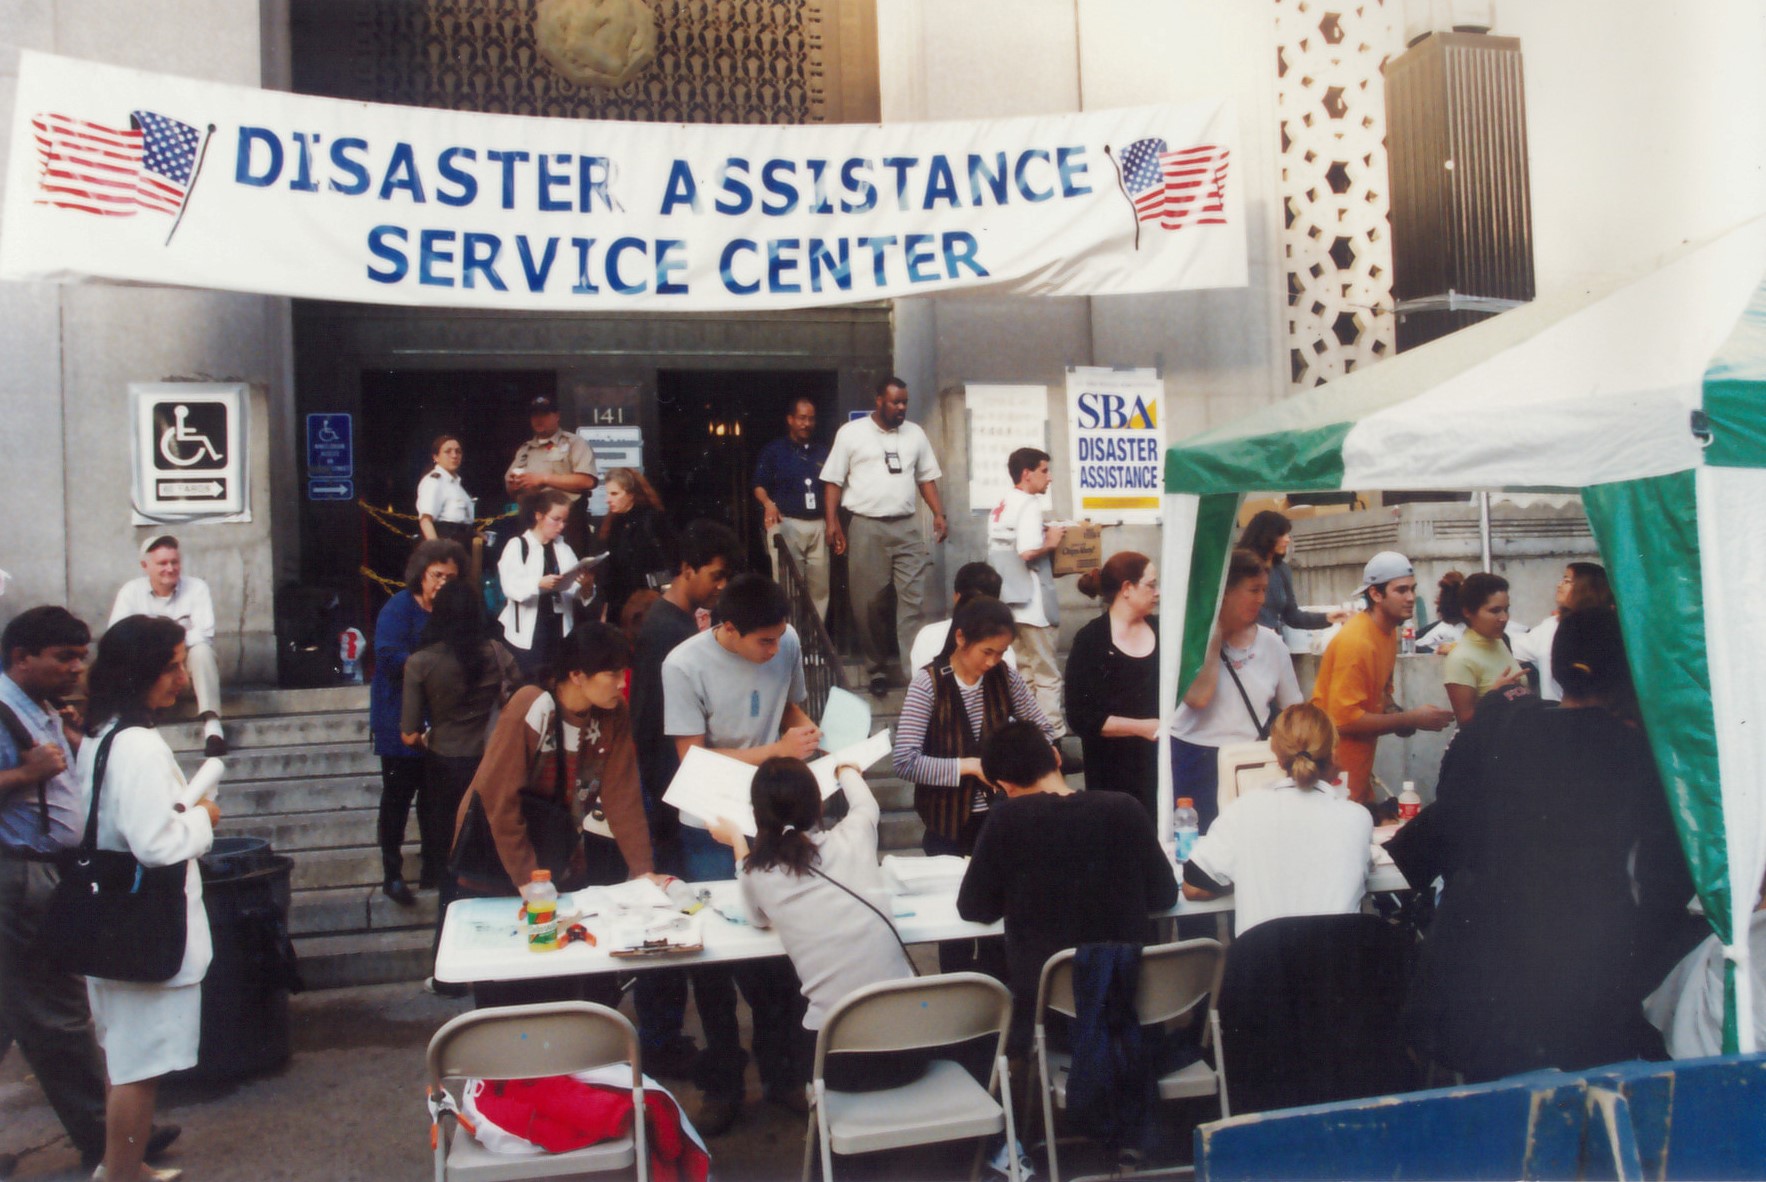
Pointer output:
1176, 189
115, 172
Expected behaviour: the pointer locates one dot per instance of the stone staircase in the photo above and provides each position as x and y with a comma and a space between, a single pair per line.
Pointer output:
302, 775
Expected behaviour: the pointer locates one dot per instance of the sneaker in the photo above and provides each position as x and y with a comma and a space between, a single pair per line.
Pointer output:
148, 1174
1000, 1164
673, 1060
717, 1114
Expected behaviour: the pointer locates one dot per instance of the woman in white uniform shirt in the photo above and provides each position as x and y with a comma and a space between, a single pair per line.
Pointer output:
146, 1030
444, 510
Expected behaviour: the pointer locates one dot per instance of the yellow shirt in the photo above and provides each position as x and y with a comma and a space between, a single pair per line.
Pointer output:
1478, 662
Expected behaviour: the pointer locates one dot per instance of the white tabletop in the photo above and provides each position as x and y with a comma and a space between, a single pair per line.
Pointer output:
482, 940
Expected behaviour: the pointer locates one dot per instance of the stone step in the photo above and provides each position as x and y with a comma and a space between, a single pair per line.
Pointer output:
335, 910
274, 730
364, 958
300, 833
294, 762
351, 866
256, 701
253, 798
899, 832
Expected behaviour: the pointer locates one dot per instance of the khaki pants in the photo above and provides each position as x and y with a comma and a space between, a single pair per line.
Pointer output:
879, 552
1036, 665
205, 678
808, 542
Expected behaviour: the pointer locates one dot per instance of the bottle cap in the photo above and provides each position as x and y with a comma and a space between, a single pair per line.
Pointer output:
1410, 785
1184, 802
542, 876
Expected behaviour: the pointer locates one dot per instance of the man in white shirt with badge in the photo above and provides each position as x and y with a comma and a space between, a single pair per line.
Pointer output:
165, 590
1021, 548
875, 469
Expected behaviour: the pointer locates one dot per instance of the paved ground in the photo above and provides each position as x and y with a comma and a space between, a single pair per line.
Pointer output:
349, 1108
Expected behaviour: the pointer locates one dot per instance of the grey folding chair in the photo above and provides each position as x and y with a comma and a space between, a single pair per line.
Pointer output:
1174, 978
945, 1104
527, 1042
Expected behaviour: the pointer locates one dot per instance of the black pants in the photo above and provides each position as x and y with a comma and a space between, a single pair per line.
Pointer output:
401, 782
447, 777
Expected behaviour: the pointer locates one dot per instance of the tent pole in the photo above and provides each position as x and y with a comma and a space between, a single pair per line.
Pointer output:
1484, 528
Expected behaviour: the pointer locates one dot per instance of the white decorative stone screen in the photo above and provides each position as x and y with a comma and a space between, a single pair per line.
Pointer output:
1330, 97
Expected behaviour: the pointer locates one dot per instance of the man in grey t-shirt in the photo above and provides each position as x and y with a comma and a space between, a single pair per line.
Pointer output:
738, 690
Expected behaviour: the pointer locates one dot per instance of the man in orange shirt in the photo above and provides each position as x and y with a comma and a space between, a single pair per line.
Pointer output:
1354, 683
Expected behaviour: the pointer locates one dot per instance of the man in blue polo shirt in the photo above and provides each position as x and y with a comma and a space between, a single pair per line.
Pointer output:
787, 483
44, 1010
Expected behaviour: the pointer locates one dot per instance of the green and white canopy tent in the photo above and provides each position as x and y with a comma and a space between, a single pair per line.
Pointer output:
1647, 395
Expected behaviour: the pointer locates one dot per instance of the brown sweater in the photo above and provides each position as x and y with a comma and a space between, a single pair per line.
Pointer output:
513, 760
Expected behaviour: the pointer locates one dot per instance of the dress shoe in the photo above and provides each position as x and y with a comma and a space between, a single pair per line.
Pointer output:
214, 747
672, 1060
879, 685
396, 890
8, 1163
717, 1114
792, 1100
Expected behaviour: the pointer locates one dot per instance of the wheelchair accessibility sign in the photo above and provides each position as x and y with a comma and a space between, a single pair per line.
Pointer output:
189, 450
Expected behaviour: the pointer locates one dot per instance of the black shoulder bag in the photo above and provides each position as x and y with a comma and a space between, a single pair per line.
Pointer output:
111, 917
1262, 726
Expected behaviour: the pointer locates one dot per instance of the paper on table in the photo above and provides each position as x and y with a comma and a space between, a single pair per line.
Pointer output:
846, 720
710, 785
203, 783
638, 892
860, 755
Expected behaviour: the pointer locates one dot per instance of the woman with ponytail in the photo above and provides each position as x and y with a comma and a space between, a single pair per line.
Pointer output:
820, 888
1298, 847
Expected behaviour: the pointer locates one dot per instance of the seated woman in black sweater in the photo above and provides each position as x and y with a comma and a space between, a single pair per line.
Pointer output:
1062, 868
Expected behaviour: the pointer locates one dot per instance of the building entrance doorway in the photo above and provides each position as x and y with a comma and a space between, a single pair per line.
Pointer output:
713, 425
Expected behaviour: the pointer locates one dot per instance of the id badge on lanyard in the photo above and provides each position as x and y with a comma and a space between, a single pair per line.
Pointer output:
809, 492
892, 461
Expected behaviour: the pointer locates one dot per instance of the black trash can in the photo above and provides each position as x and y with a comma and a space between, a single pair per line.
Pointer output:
245, 890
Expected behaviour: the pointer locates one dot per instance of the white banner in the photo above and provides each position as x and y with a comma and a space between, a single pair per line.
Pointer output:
127, 175
1116, 444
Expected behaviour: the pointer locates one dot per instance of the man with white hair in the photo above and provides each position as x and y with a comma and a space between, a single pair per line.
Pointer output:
165, 590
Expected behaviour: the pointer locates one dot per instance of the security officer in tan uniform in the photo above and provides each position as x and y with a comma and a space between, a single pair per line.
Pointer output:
555, 459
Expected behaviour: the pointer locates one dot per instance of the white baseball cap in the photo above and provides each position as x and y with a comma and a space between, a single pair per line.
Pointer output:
1383, 568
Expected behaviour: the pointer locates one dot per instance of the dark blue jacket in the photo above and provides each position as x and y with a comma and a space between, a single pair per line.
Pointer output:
396, 633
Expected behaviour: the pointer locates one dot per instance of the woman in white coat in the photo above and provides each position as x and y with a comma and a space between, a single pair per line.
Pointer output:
536, 618
146, 1030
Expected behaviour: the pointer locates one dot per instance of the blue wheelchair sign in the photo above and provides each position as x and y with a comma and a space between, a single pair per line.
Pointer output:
330, 446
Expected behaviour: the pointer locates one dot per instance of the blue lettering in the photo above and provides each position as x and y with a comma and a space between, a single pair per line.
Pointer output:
1070, 163
918, 248
1028, 193
994, 179
584, 285
621, 246
249, 138
478, 256
940, 184
900, 165
769, 179
726, 261
858, 186
507, 161
536, 276
667, 265
778, 265
354, 169
453, 174
381, 248
819, 203
876, 244
303, 176
595, 172
430, 253
741, 197
401, 173
959, 251
550, 180
839, 267
681, 189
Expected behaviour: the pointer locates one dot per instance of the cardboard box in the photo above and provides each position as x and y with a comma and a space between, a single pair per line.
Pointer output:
1081, 549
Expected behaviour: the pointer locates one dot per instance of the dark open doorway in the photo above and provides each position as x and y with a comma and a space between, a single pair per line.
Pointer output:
713, 425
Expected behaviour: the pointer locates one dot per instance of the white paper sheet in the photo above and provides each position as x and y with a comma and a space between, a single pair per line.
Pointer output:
860, 755
846, 720
710, 785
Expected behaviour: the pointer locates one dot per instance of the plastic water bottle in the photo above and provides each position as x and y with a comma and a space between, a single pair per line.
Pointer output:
1409, 803
1407, 641
540, 909
1185, 827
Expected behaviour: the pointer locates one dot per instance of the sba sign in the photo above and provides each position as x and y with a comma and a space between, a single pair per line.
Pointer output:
1116, 412
1116, 446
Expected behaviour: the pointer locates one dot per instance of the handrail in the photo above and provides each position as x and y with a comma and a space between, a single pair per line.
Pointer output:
822, 669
